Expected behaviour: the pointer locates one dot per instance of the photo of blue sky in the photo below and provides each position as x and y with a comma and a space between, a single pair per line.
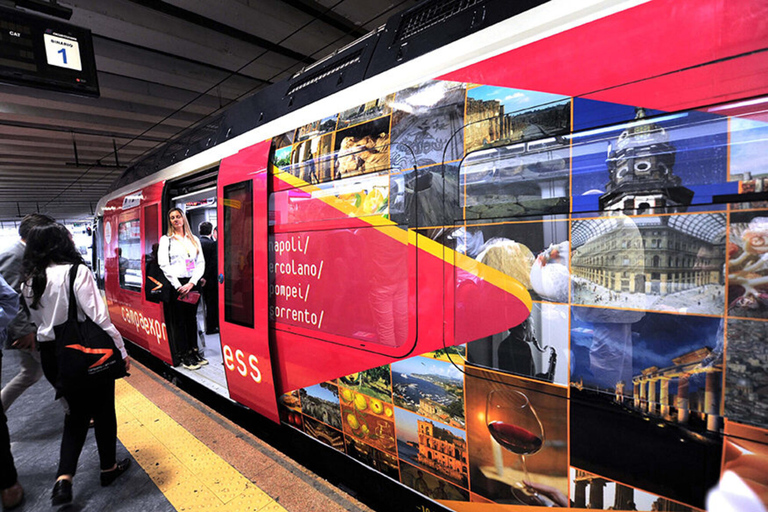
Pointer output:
749, 148
323, 393
516, 100
407, 426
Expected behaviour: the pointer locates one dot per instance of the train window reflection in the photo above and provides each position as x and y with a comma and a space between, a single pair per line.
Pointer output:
128, 255
519, 179
238, 254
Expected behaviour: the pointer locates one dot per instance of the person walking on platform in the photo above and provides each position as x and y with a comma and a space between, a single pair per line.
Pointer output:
48, 259
181, 259
210, 284
11, 491
21, 332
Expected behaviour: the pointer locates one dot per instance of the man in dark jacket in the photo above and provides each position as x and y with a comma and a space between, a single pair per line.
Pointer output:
211, 286
21, 332
11, 491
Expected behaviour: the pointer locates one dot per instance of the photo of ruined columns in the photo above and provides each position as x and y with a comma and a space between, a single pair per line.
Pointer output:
647, 387
595, 492
657, 263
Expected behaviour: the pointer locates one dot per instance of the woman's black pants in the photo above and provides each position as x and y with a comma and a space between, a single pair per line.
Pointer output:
182, 318
95, 402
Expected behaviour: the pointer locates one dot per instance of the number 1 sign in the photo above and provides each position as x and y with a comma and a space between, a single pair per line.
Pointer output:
62, 51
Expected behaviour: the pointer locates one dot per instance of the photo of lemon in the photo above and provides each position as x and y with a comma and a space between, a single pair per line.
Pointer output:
376, 406
346, 395
360, 402
352, 421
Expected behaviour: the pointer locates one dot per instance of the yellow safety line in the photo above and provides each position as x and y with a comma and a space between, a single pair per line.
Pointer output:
190, 475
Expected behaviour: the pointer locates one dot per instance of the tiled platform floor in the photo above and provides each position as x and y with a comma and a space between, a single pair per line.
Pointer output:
186, 456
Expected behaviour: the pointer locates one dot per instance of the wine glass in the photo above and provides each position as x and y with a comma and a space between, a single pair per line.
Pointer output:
514, 424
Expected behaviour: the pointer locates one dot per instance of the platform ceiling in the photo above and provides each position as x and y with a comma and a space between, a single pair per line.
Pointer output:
162, 67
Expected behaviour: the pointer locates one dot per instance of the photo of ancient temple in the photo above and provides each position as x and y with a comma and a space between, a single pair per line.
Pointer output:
595, 492
645, 387
657, 263
517, 163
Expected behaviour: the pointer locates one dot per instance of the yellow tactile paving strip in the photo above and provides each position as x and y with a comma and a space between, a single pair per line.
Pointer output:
190, 475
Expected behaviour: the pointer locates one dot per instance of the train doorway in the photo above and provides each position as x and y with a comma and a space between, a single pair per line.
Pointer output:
196, 197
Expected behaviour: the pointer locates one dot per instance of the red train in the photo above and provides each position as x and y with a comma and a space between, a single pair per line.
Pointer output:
507, 256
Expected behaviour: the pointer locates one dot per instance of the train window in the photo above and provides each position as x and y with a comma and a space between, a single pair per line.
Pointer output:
129, 255
151, 232
352, 151
520, 179
238, 254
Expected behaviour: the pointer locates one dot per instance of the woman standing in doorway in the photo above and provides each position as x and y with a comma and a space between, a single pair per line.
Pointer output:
180, 257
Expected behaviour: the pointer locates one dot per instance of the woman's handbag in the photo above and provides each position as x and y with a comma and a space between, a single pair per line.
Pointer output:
157, 288
84, 350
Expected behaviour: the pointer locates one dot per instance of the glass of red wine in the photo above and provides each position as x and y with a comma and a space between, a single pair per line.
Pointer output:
514, 424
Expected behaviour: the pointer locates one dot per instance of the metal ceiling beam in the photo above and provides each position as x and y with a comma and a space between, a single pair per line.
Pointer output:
202, 21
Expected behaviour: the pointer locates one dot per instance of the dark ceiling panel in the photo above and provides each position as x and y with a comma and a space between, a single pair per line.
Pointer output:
163, 67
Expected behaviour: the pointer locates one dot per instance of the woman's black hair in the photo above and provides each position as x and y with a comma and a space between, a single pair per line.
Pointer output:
47, 245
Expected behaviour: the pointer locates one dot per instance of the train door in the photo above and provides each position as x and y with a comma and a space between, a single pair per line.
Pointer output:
195, 195
243, 279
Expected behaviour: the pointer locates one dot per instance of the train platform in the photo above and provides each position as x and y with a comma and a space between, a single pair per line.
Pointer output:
186, 456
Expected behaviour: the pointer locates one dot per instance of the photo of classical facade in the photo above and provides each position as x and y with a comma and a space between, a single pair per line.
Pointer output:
658, 263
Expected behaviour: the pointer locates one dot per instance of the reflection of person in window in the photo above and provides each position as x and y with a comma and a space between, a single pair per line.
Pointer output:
122, 265
388, 287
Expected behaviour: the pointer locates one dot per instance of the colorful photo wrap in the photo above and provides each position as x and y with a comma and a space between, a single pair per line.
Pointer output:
534, 252
366, 112
283, 158
321, 402
652, 164
377, 459
362, 149
746, 375
427, 120
516, 163
537, 348
433, 389
749, 148
748, 264
595, 492
646, 387
375, 383
368, 419
433, 446
291, 417
324, 433
283, 140
291, 400
456, 354
317, 128
746, 455
498, 115
508, 419
668, 263
429, 485
312, 159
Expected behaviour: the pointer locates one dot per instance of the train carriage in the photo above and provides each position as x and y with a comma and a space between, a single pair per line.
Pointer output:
509, 256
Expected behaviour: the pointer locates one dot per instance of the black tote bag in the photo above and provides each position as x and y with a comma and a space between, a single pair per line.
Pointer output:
84, 351
157, 288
